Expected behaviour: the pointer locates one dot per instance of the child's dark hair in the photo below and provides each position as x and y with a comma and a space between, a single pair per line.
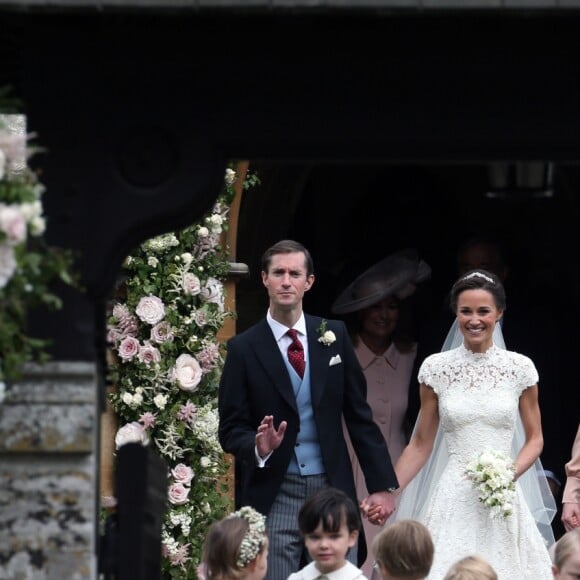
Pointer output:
330, 507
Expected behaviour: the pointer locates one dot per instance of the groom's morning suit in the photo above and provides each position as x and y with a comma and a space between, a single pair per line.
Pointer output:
257, 381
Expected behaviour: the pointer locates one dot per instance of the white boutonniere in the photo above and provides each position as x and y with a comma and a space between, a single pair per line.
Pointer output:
327, 337
492, 475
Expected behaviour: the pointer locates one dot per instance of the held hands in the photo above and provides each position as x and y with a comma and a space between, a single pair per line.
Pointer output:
378, 506
268, 437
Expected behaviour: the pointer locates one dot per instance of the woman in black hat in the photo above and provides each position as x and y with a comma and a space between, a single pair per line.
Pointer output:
375, 313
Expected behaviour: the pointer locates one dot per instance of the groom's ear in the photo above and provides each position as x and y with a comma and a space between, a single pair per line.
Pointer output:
309, 282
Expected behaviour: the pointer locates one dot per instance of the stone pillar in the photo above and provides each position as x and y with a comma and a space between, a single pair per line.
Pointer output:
49, 473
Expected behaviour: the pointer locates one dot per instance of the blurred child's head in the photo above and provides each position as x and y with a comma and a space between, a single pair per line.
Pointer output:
567, 556
236, 547
330, 523
471, 568
403, 549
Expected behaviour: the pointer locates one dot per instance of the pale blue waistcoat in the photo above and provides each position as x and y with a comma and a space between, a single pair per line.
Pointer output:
307, 458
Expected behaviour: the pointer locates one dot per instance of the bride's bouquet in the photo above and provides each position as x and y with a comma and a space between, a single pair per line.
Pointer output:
492, 475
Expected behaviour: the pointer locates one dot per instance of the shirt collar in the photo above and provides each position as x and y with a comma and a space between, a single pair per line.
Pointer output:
279, 330
347, 572
366, 356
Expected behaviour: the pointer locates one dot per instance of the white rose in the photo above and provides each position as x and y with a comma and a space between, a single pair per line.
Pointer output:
205, 461
187, 258
150, 309
31, 210
203, 232
131, 433
230, 176
187, 372
152, 261
37, 226
127, 398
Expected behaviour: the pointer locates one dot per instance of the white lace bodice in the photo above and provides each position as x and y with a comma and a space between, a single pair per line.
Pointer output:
478, 397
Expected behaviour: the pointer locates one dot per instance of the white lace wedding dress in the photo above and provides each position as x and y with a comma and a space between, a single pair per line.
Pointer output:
478, 407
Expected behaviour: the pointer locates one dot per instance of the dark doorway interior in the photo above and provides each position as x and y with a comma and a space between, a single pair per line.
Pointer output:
352, 215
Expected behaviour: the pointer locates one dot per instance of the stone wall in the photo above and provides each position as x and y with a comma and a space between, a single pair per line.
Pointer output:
49, 474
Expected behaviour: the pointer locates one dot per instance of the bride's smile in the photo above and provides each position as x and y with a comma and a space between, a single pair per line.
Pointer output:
477, 316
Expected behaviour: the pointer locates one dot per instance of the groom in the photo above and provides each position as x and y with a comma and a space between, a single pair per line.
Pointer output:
281, 402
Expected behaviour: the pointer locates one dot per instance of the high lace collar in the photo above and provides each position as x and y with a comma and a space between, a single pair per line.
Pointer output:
478, 355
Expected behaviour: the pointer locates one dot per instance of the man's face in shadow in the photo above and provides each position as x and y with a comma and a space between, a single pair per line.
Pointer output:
482, 256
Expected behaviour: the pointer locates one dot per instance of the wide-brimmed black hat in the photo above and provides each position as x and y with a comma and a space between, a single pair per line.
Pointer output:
397, 274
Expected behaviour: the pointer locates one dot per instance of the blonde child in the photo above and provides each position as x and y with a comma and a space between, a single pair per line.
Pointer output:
330, 523
471, 568
403, 550
236, 548
567, 556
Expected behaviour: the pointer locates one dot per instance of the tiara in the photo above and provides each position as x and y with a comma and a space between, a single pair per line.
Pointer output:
254, 538
478, 275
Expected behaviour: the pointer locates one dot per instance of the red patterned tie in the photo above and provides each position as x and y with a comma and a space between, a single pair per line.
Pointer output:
296, 353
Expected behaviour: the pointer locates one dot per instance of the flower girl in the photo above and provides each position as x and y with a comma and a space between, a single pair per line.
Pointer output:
236, 548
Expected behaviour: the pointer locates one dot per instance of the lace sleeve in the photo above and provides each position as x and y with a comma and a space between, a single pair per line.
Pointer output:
427, 375
525, 371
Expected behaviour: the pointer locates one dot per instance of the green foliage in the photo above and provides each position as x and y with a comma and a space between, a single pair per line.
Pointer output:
28, 265
163, 329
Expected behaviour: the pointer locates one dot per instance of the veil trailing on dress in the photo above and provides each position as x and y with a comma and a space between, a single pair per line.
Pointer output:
416, 496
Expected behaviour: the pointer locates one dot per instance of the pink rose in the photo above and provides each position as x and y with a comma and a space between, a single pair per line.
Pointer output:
149, 354
128, 348
161, 332
182, 474
12, 223
178, 493
150, 309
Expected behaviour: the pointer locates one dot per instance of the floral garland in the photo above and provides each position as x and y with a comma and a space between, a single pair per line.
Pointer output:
163, 332
28, 265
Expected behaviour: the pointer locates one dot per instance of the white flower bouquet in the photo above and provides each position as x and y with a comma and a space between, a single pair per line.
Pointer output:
492, 475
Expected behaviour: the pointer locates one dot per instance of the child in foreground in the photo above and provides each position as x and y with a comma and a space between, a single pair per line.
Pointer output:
403, 550
471, 568
236, 548
330, 523
567, 556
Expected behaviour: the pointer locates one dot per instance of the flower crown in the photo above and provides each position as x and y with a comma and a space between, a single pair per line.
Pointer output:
254, 538
478, 275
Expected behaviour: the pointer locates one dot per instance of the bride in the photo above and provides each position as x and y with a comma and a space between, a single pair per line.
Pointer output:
476, 399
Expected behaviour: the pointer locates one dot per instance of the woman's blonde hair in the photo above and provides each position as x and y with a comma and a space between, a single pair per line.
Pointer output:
471, 568
566, 546
405, 549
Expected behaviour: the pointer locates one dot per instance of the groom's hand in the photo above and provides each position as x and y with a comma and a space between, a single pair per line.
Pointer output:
268, 437
378, 506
